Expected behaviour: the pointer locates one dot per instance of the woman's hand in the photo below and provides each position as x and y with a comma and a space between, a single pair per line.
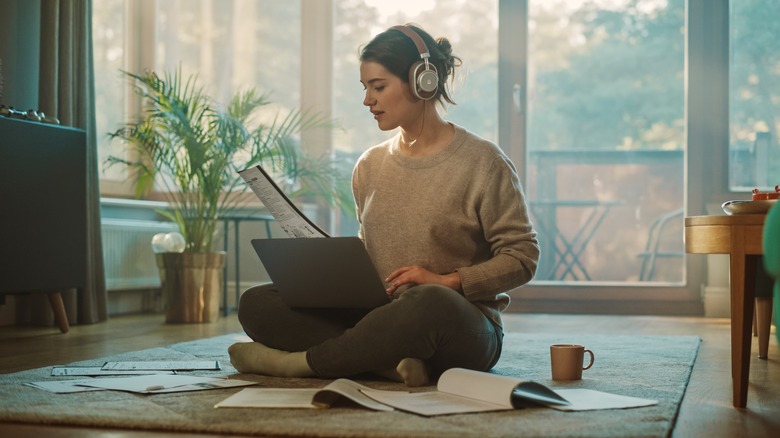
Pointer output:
414, 275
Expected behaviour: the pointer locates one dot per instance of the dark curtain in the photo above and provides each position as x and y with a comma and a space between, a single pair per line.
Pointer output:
67, 91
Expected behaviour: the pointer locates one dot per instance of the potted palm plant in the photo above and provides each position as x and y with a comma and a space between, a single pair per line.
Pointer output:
192, 149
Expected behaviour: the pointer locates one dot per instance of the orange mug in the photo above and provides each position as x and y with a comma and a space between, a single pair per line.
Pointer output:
567, 361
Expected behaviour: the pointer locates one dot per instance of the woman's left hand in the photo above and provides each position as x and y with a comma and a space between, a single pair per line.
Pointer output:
414, 275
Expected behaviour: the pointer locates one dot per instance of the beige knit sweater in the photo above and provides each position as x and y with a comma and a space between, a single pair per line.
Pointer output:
460, 210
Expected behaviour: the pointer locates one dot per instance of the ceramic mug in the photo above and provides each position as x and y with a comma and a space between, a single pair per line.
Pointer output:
567, 361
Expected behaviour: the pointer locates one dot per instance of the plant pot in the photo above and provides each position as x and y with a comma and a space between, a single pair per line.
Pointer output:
191, 285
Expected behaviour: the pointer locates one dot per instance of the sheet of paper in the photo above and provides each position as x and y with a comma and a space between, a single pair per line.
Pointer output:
349, 389
271, 398
491, 388
215, 384
63, 386
99, 371
303, 398
591, 400
163, 383
460, 391
289, 217
432, 402
190, 365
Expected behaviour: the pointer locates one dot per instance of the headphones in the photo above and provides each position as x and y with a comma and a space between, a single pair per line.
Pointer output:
423, 77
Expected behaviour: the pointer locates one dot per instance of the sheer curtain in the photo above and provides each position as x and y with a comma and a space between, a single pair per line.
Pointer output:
67, 91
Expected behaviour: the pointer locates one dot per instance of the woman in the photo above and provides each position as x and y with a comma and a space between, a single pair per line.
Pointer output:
443, 216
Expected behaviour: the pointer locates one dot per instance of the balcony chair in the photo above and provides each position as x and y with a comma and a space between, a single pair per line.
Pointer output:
653, 250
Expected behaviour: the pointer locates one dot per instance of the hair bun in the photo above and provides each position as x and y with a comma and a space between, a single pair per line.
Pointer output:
444, 46
450, 61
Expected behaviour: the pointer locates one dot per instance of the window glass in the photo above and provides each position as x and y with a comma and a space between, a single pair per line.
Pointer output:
605, 139
471, 27
754, 101
229, 44
233, 45
108, 27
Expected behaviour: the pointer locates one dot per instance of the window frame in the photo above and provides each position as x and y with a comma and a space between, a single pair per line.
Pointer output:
706, 153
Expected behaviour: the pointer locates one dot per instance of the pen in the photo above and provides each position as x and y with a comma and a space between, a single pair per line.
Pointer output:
155, 388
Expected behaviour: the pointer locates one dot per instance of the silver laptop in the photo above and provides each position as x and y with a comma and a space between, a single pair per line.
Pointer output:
333, 272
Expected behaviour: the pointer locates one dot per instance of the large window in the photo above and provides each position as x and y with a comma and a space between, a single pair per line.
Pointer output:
605, 140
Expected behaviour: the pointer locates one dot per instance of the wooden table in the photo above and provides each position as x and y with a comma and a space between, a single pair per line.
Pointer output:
740, 237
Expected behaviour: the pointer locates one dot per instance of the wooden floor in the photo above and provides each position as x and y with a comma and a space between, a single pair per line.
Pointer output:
706, 410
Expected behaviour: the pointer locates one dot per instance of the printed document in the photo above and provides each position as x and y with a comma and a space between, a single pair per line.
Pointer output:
159, 365
291, 219
302, 397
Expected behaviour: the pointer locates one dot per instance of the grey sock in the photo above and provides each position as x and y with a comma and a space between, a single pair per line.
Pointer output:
256, 358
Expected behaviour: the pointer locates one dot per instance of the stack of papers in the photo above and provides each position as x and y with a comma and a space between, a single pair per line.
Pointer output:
146, 384
147, 378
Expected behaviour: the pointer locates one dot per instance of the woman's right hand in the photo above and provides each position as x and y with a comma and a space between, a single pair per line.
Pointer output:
415, 275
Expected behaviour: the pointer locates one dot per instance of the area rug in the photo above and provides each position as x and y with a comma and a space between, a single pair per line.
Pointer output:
653, 367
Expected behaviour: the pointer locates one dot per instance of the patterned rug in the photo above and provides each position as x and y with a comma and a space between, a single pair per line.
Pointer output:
653, 367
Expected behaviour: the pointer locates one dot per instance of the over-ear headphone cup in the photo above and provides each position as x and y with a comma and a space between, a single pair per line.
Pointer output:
423, 82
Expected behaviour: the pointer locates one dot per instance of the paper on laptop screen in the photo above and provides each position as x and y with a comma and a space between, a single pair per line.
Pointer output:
292, 220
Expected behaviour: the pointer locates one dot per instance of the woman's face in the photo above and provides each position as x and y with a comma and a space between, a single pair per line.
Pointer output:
387, 97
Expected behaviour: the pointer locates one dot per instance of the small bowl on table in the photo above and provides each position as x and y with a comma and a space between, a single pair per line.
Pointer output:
760, 204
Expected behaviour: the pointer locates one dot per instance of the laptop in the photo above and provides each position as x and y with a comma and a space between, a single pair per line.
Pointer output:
334, 272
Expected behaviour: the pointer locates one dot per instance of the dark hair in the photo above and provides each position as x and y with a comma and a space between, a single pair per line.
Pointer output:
396, 52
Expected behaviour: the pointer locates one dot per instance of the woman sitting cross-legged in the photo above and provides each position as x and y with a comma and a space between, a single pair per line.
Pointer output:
443, 216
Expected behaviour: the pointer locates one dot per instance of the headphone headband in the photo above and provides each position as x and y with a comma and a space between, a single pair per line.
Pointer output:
423, 76
422, 48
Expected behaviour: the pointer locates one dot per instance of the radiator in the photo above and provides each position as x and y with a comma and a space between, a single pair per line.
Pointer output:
127, 253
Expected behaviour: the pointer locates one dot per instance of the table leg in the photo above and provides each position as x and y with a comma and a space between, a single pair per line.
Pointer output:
742, 268
237, 261
763, 321
225, 309
569, 263
755, 321
582, 238
547, 239
561, 250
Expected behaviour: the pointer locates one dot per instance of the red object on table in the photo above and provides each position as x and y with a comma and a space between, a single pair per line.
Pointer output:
758, 196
